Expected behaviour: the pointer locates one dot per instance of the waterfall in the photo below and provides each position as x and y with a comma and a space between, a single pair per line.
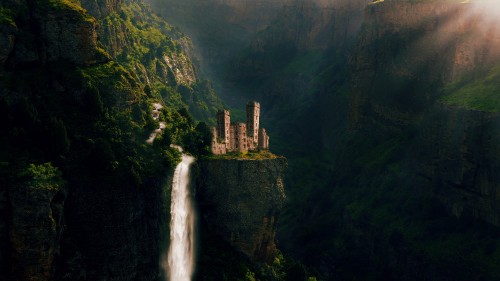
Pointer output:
180, 262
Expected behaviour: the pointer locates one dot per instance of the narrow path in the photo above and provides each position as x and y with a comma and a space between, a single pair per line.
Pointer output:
156, 116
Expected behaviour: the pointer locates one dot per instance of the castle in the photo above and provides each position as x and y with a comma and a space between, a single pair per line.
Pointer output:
239, 137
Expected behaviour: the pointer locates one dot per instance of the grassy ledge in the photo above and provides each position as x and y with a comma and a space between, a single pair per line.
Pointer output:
482, 94
251, 155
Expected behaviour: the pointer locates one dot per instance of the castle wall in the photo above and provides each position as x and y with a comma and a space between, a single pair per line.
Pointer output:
239, 137
216, 147
263, 139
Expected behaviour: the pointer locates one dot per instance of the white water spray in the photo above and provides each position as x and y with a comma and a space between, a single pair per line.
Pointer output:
180, 263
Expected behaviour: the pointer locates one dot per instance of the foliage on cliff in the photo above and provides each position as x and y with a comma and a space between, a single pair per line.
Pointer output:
479, 91
158, 54
74, 122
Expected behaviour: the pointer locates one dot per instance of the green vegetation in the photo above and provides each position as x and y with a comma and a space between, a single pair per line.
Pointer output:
67, 6
154, 51
89, 119
250, 155
43, 176
6, 16
476, 92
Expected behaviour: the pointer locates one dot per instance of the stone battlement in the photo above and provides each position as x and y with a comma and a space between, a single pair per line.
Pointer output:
230, 136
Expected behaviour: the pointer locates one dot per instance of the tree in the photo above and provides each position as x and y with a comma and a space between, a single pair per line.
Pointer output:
43, 176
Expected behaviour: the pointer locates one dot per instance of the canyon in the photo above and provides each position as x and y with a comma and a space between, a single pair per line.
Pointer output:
387, 112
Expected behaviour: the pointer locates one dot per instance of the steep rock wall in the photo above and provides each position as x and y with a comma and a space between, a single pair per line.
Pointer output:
314, 24
36, 225
459, 152
406, 53
241, 202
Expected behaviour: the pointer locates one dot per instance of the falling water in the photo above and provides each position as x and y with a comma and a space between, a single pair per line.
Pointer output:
180, 263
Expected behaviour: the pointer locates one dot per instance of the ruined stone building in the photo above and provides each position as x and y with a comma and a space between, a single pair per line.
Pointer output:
239, 137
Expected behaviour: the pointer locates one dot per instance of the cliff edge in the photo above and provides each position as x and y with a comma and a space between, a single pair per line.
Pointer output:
241, 200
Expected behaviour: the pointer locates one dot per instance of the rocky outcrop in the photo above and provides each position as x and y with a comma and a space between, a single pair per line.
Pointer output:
241, 200
122, 27
100, 8
69, 37
181, 68
62, 32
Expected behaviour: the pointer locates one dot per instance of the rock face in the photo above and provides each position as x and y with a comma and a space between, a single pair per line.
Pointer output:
310, 25
66, 38
99, 8
35, 230
417, 47
241, 201
459, 155
62, 33
406, 52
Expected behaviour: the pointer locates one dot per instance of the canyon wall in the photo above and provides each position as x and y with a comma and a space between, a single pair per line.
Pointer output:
240, 200
458, 153
406, 54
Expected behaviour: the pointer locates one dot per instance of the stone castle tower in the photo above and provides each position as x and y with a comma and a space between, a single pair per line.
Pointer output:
239, 137
253, 111
223, 122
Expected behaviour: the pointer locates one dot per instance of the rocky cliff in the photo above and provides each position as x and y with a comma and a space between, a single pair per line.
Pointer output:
241, 200
459, 153
36, 225
153, 50
68, 106
407, 51
406, 54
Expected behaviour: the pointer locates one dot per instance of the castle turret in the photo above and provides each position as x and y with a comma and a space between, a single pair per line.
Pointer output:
263, 139
253, 112
223, 124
